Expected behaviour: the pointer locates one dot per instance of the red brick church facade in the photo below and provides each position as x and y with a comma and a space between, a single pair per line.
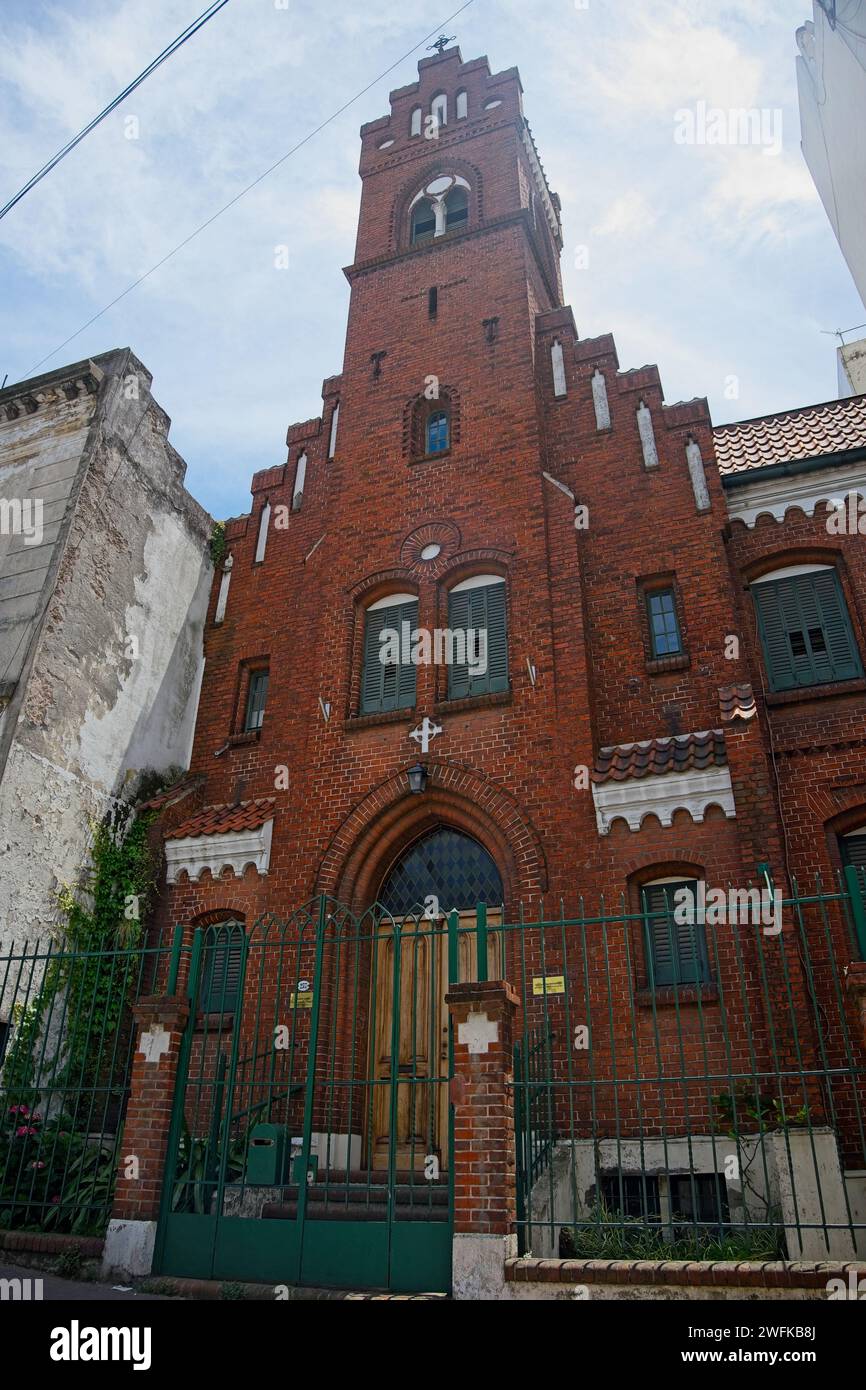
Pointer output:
573, 482
673, 692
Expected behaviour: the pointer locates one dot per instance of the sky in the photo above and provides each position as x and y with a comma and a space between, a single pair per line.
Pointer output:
715, 261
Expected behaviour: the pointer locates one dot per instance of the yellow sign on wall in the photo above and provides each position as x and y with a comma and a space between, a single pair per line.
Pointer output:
553, 984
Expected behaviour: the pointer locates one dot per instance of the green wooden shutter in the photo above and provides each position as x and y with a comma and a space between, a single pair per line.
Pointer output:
482, 609
805, 631
458, 618
838, 633
392, 686
676, 951
224, 954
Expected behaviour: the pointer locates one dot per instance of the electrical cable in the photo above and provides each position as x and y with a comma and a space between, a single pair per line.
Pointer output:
237, 197
172, 48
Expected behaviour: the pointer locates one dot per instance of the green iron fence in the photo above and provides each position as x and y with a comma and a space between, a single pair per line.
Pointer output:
716, 1113
719, 1114
66, 1044
311, 1134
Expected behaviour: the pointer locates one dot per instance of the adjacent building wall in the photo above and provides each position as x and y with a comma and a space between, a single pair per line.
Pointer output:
101, 642
831, 80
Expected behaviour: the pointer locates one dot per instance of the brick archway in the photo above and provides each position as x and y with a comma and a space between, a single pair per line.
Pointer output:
390, 818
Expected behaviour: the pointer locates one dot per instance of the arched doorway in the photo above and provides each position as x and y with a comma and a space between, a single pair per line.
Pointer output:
443, 871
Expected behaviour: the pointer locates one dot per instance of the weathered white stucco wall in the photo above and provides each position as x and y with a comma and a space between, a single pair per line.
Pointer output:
112, 679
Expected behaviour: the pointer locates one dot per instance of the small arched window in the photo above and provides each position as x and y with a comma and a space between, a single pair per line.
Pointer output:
415, 123
423, 222
462, 106
675, 941
439, 109
456, 209
438, 432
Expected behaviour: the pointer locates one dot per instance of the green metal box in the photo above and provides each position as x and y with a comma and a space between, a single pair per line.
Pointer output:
266, 1156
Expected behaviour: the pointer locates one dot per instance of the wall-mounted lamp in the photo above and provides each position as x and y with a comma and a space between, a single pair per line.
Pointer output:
417, 776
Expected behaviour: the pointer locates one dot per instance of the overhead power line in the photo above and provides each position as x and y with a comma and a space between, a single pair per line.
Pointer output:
177, 43
237, 197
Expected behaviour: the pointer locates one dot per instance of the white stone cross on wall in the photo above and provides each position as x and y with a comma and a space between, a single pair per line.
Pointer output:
424, 733
477, 1033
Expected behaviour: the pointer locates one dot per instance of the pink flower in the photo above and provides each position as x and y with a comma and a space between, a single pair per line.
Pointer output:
37, 1163
24, 1130
55, 1200
18, 1110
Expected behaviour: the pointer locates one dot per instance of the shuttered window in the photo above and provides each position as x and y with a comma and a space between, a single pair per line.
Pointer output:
477, 611
676, 952
386, 686
854, 850
221, 968
805, 630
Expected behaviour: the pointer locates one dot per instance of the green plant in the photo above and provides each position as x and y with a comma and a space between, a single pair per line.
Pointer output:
608, 1235
197, 1171
233, 1291
68, 1263
765, 1112
167, 1288
218, 543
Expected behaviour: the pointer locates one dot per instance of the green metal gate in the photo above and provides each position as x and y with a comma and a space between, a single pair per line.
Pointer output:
311, 1135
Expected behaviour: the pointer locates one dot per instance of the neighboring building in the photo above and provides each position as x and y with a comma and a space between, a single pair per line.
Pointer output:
104, 577
672, 694
831, 80
851, 362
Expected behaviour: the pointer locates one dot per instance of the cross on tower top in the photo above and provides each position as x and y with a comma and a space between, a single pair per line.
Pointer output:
441, 43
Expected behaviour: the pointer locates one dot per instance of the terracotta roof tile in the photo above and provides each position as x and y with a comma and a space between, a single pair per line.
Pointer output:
737, 702
658, 756
219, 820
173, 793
792, 435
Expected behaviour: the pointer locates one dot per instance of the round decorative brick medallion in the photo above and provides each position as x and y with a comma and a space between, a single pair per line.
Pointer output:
430, 547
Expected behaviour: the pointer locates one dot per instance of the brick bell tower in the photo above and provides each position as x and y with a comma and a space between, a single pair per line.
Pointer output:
442, 487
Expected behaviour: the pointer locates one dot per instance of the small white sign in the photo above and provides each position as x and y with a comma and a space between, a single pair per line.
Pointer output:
154, 1044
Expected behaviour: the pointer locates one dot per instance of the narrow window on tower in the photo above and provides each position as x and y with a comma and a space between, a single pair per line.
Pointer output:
439, 109
665, 639
438, 432
462, 106
300, 480
423, 222
257, 696
264, 523
432, 302
456, 209
415, 125
335, 420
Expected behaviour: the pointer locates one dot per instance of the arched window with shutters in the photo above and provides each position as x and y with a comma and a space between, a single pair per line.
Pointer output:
805, 628
853, 847
389, 681
222, 967
675, 941
477, 608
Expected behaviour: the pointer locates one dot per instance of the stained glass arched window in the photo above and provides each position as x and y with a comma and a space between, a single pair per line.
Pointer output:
444, 864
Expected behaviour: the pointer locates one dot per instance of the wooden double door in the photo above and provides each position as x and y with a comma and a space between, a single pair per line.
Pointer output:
410, 1024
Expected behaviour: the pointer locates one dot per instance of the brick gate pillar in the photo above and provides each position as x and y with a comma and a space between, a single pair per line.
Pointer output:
484, 1148
129, 1242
